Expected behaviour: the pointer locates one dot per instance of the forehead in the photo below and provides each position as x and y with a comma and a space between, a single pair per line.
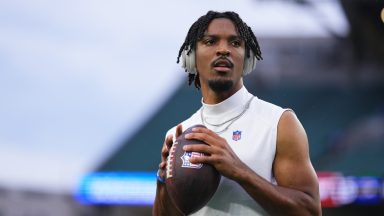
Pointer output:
221, 26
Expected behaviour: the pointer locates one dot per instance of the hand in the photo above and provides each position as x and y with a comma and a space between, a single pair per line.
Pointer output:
218, 153
168, 142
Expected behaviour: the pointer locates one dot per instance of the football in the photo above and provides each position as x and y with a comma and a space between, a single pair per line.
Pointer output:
190, 186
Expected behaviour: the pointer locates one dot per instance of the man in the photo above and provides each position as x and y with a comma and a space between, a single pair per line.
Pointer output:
260, 149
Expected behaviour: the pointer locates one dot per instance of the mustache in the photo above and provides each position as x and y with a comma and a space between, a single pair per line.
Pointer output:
222, 58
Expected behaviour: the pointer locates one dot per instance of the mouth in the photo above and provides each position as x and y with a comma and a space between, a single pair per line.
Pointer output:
222, 65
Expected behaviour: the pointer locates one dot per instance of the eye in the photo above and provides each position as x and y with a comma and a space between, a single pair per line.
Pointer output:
209, 41
236, 43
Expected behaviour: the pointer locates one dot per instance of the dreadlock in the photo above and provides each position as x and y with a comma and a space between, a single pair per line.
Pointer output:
197, 30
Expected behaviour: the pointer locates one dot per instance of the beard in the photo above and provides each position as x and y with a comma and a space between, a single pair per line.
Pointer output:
220, 85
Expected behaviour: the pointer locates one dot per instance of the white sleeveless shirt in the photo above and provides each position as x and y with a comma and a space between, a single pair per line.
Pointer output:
252, 137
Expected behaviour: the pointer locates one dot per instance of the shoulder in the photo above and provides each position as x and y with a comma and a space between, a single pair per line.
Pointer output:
289, 126
291, 136
265, 105
266, 111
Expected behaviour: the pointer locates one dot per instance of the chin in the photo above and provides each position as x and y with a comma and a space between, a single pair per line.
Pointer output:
220, 85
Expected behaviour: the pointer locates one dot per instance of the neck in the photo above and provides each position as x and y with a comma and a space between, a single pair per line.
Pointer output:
212, 97
219, 117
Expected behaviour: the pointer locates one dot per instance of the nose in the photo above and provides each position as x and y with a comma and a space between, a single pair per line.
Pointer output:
222, 50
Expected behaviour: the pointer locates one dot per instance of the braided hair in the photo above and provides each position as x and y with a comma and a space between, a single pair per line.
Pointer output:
197, 30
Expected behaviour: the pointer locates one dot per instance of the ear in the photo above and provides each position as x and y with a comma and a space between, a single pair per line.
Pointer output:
249, 63
188, 60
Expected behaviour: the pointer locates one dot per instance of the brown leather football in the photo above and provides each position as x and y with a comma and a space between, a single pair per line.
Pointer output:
190, 186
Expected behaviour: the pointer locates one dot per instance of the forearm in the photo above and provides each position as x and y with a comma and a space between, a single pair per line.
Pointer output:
275, 199
163, 204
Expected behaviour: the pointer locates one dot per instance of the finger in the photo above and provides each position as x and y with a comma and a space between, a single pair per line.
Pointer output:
169, 141
201, 159
204, 137
162, 173
164, 152
202, 148
162, 165
179, 130
204, 130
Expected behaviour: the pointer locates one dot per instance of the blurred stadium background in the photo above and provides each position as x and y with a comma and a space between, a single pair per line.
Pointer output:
88, 90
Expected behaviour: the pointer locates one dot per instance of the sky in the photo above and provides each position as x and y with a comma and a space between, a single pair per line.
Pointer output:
77, 78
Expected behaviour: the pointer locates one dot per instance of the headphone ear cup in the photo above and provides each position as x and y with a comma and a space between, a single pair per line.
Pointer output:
249, 64
189, 63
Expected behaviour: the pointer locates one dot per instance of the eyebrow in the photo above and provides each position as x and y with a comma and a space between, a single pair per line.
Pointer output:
215, 36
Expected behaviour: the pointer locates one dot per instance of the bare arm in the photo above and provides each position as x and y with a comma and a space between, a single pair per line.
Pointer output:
296, 192
163, 204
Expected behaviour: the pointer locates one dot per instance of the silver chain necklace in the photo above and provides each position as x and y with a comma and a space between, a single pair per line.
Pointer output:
229, 121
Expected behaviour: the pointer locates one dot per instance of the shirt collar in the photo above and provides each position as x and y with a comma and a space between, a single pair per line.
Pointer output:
236, 100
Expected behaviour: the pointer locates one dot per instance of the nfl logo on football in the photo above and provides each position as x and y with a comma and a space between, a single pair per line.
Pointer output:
186, 156
236, 136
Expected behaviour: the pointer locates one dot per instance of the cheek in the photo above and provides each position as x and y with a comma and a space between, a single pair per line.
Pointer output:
202, 60
240, 58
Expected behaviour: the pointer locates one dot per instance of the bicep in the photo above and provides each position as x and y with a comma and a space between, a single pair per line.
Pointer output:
292, 167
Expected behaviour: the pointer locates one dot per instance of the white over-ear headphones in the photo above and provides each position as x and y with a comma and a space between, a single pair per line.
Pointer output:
189, 63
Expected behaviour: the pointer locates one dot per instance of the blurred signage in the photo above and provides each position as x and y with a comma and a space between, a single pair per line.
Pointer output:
139, 188
369, 190
337, 190
127, 188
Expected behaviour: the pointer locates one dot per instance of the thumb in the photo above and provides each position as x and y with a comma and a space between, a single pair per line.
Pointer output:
179, 130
